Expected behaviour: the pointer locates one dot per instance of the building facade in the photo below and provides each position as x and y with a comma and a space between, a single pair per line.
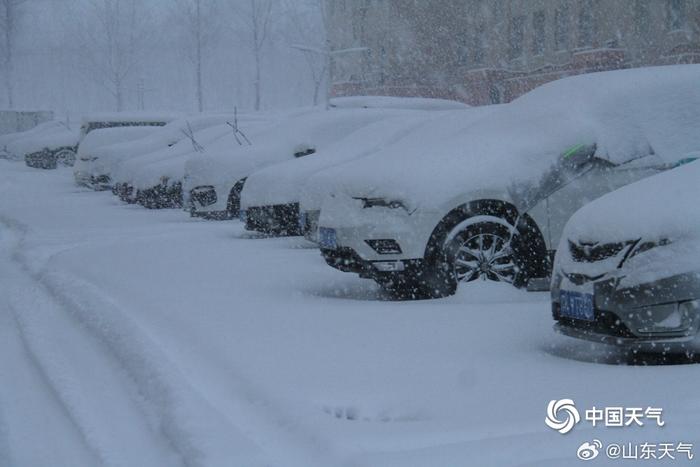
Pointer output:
492, 51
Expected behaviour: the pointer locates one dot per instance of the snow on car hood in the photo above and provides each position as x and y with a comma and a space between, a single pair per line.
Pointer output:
169, 162
316, 128
626, 114
113, 155
664, 206
444, 125
660, 212
281, 183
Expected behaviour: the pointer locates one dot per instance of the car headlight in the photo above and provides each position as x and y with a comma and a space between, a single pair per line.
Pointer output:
668, 318
382, 203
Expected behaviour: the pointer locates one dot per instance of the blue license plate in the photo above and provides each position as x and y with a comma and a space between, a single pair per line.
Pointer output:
576, 305
327, 238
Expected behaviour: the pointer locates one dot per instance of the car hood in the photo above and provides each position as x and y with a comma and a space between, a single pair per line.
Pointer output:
655, 224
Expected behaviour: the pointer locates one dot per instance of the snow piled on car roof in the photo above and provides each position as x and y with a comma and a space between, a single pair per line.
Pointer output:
627, 114
225, 162
388, 102
108, 136
282, 183
113, 117
56, 138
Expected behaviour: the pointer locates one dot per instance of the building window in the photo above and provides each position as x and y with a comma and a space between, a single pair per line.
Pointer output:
561, 28
517, 36
586, 24
538, 37
642, 23
675, 14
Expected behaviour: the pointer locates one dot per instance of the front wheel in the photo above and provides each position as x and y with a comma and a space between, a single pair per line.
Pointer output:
485, 251
485, 248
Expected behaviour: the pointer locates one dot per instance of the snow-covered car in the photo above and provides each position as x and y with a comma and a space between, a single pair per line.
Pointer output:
319, 185
271, 196
158, 178
7, 141
627, 270
58, 148
154, 176
96, 141
491, 202
107, 159
214, 179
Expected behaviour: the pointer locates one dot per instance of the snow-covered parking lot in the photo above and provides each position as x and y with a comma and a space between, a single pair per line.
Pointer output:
139, 338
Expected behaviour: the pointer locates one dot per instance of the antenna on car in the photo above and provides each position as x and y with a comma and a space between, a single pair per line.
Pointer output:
190, 134
237, 133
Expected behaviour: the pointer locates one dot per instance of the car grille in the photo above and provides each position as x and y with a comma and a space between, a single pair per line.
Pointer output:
203, 195
280, 219
592, 253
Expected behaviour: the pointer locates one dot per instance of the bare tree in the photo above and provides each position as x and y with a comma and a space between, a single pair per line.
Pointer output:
256, 17
199, 21
113, 36
309, 26
10, 15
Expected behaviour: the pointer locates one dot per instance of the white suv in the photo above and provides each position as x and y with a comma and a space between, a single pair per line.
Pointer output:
491, 201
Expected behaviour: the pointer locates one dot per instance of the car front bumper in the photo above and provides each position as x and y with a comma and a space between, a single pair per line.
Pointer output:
663, 315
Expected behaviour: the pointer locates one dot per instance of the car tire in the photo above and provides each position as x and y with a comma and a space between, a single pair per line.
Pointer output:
481, 247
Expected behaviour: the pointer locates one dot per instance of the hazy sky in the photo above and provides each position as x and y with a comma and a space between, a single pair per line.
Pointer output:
51, 73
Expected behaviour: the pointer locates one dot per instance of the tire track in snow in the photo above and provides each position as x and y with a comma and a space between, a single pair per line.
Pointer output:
192, 425
88, 386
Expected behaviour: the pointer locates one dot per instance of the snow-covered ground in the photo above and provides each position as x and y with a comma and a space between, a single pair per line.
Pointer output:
139, 338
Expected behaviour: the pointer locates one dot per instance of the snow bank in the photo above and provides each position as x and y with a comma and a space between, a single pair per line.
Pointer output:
626, 114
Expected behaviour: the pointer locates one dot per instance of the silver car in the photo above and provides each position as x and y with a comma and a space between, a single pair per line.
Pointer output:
627, 271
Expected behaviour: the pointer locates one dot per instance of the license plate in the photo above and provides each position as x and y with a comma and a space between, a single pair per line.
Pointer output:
327, 238
576, 305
